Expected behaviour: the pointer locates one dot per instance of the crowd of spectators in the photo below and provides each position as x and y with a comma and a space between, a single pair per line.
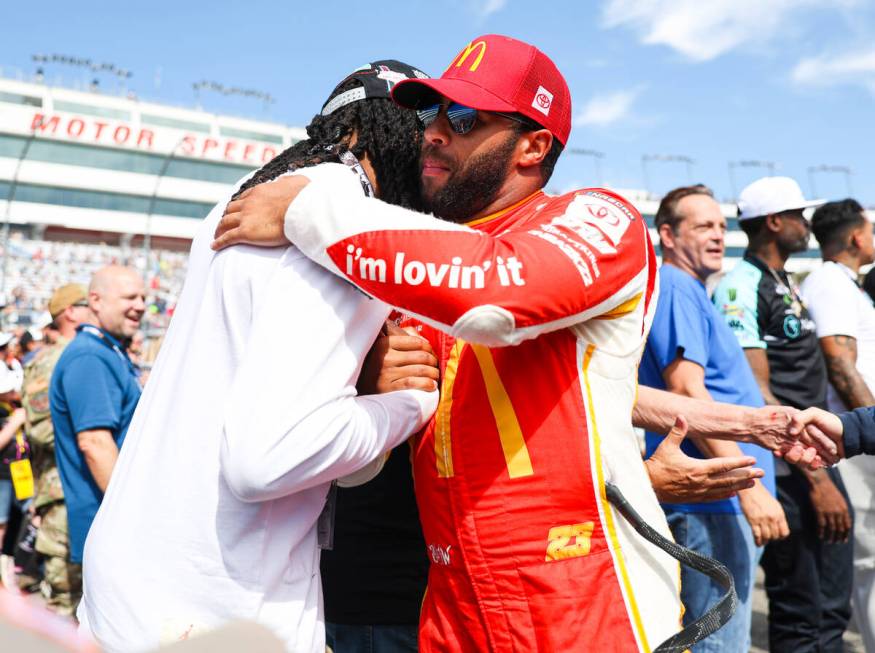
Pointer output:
35, 268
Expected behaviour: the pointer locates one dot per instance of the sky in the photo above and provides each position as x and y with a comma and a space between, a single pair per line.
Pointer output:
786, 82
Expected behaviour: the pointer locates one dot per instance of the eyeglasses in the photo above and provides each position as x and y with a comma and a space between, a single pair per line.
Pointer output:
461, 118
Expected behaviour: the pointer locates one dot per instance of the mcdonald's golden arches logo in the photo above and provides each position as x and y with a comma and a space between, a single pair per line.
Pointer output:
480, 46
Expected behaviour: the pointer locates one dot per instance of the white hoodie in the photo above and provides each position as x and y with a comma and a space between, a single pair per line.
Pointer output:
250, 412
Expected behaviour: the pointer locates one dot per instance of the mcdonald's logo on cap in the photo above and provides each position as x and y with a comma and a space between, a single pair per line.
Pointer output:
464, 54
518, 78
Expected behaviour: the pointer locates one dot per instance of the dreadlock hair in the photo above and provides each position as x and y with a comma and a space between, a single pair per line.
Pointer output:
387, 133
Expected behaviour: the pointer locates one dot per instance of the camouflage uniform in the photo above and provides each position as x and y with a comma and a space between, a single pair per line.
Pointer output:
63, 578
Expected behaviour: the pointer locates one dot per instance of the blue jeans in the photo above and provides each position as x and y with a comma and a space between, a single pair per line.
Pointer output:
727, 538
7, 496
344, 638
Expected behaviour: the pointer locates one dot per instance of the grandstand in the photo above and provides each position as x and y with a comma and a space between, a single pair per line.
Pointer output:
101, 168
37, 267
91, 174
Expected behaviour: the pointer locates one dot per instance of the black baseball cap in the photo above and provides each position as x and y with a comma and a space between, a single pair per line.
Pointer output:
377, 79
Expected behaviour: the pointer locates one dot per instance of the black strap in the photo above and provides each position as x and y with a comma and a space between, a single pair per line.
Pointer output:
719, 613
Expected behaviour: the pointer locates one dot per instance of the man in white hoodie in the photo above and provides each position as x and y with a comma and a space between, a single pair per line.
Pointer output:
212, 510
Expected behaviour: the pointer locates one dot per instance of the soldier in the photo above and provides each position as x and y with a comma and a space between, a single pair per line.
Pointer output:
63, 579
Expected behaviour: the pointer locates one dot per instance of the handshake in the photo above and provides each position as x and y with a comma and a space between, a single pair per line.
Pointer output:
851, 433
811, 439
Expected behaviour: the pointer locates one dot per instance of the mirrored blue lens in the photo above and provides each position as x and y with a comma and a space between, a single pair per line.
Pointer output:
462, 119
429, 114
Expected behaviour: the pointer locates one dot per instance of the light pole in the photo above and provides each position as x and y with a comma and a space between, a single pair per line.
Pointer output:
96, 67
665, 158
748, 163
10, 197
597, 161
846, 170
220, 88
147, 237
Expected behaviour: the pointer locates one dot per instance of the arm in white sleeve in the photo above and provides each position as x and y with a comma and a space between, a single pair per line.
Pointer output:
336, 440
292, 419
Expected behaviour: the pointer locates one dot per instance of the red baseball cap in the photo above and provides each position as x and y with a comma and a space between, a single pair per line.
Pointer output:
498, 73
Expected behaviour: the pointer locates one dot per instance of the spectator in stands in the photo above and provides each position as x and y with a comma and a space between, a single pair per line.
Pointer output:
38, 267
845, 321
68, 307
92, 397
18, 297
51, 335
28, 346
7, 355
808, 575
690, 351
134, 349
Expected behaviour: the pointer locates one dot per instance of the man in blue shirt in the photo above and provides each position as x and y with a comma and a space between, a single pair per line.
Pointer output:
692, 352
93, 394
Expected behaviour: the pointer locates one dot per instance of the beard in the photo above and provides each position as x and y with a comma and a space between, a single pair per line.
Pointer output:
473, 186
794, 244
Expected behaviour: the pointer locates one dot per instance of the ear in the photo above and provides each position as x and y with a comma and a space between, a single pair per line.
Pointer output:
666, 236
534, 146
774, 223
94, 301
856, 239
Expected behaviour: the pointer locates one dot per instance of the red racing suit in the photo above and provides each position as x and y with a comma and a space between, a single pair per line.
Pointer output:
539, 314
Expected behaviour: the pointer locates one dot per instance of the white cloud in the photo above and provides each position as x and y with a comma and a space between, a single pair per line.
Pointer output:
705, 29
490, 7
607, 108
856, 67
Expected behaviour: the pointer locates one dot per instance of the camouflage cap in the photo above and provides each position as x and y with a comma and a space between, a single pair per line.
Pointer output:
66, 296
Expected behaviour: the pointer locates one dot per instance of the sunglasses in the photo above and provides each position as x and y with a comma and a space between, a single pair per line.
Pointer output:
461, 118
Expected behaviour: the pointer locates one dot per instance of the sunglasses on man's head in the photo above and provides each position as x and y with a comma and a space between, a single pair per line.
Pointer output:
461, 118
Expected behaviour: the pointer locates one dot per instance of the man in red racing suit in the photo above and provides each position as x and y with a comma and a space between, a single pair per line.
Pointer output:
538, 310
527, 553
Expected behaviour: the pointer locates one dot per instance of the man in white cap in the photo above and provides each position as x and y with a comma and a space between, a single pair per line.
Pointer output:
808, 575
